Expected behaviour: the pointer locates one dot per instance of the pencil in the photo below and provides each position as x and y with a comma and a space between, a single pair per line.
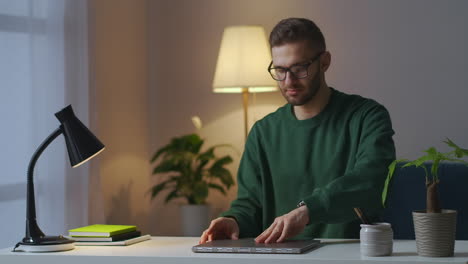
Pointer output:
361, 216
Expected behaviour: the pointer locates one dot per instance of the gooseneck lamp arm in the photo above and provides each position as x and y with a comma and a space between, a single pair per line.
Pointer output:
32, 229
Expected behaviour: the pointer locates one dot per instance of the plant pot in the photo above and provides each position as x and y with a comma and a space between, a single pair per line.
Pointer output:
435, 233
195, 219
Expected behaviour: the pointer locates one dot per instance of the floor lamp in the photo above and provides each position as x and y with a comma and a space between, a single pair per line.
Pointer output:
242, 64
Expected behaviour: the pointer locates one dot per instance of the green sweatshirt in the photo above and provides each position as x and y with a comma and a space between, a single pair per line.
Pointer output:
333, 162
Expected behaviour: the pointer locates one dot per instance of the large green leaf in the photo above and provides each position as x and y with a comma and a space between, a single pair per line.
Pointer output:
203, 159
432, 152
459, 152
207, 155
178, 145
391, 170
162, 185
160, 152
157, 189
218, 171
457, 160
172, 195
223, 175
217, 187
167, 166
222, 161
191, 143
419, 163
421, 160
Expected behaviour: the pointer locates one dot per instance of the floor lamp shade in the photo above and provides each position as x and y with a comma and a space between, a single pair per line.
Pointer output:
242, 63
82, 145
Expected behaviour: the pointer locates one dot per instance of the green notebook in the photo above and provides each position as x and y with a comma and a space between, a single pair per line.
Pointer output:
101, 230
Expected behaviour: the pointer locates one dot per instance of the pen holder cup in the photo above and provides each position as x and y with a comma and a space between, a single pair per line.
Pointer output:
376, 239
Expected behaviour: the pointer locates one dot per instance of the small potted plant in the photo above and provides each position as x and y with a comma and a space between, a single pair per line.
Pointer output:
434, 227
187, 172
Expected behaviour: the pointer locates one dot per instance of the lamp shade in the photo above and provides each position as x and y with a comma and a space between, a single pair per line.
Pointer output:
82, 145
242, 61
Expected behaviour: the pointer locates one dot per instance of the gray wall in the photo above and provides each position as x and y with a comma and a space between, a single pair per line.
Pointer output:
410, 56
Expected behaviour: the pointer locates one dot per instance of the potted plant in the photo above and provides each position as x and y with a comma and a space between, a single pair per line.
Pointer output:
188, 172
434, 227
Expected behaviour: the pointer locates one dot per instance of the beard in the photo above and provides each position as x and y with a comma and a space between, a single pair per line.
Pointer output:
304, 92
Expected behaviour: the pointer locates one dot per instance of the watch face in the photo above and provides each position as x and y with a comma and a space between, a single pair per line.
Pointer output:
301, 203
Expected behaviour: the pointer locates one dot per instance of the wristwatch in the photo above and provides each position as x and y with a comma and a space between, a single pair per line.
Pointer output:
301, 203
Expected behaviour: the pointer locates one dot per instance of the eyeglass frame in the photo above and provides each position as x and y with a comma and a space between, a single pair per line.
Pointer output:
288, 69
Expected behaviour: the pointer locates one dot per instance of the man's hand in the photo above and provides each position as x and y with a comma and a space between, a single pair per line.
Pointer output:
285, 226
221, 228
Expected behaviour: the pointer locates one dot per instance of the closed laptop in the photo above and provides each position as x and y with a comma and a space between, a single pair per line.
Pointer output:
248, 245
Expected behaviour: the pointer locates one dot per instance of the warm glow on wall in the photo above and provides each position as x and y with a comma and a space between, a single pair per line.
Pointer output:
242, 64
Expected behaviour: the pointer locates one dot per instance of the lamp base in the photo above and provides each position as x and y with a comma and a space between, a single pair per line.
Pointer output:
45, 244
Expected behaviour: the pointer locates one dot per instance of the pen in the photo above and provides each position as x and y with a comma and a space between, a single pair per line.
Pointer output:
361, 216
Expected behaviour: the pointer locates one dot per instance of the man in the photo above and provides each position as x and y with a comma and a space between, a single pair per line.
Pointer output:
307, 165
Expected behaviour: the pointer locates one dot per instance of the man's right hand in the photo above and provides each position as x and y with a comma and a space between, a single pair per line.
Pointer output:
221, 228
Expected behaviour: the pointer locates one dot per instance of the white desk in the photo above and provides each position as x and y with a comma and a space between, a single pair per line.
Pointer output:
161, 250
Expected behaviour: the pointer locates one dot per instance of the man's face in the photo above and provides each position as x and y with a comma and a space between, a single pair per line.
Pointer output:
297, 91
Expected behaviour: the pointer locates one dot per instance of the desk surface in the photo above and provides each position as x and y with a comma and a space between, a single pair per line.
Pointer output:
178, 250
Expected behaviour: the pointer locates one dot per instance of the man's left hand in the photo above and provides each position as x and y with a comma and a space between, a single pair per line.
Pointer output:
285, 226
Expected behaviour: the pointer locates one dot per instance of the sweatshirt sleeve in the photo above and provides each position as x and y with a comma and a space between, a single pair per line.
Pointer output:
362, 185
247, 209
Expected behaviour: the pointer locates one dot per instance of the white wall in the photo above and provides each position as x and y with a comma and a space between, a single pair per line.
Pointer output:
119, 41
409, 55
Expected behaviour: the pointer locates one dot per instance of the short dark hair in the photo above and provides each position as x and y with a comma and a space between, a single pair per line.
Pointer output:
293, 29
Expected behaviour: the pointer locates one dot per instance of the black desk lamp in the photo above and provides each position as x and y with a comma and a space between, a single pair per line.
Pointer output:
82, 145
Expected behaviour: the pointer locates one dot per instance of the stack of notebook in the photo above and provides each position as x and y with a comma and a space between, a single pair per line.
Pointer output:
102, 235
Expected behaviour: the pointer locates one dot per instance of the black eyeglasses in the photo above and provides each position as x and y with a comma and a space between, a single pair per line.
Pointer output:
299, 71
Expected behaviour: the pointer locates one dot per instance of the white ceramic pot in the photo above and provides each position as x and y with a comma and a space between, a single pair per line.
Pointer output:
376, 239
195, 219
435, 233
